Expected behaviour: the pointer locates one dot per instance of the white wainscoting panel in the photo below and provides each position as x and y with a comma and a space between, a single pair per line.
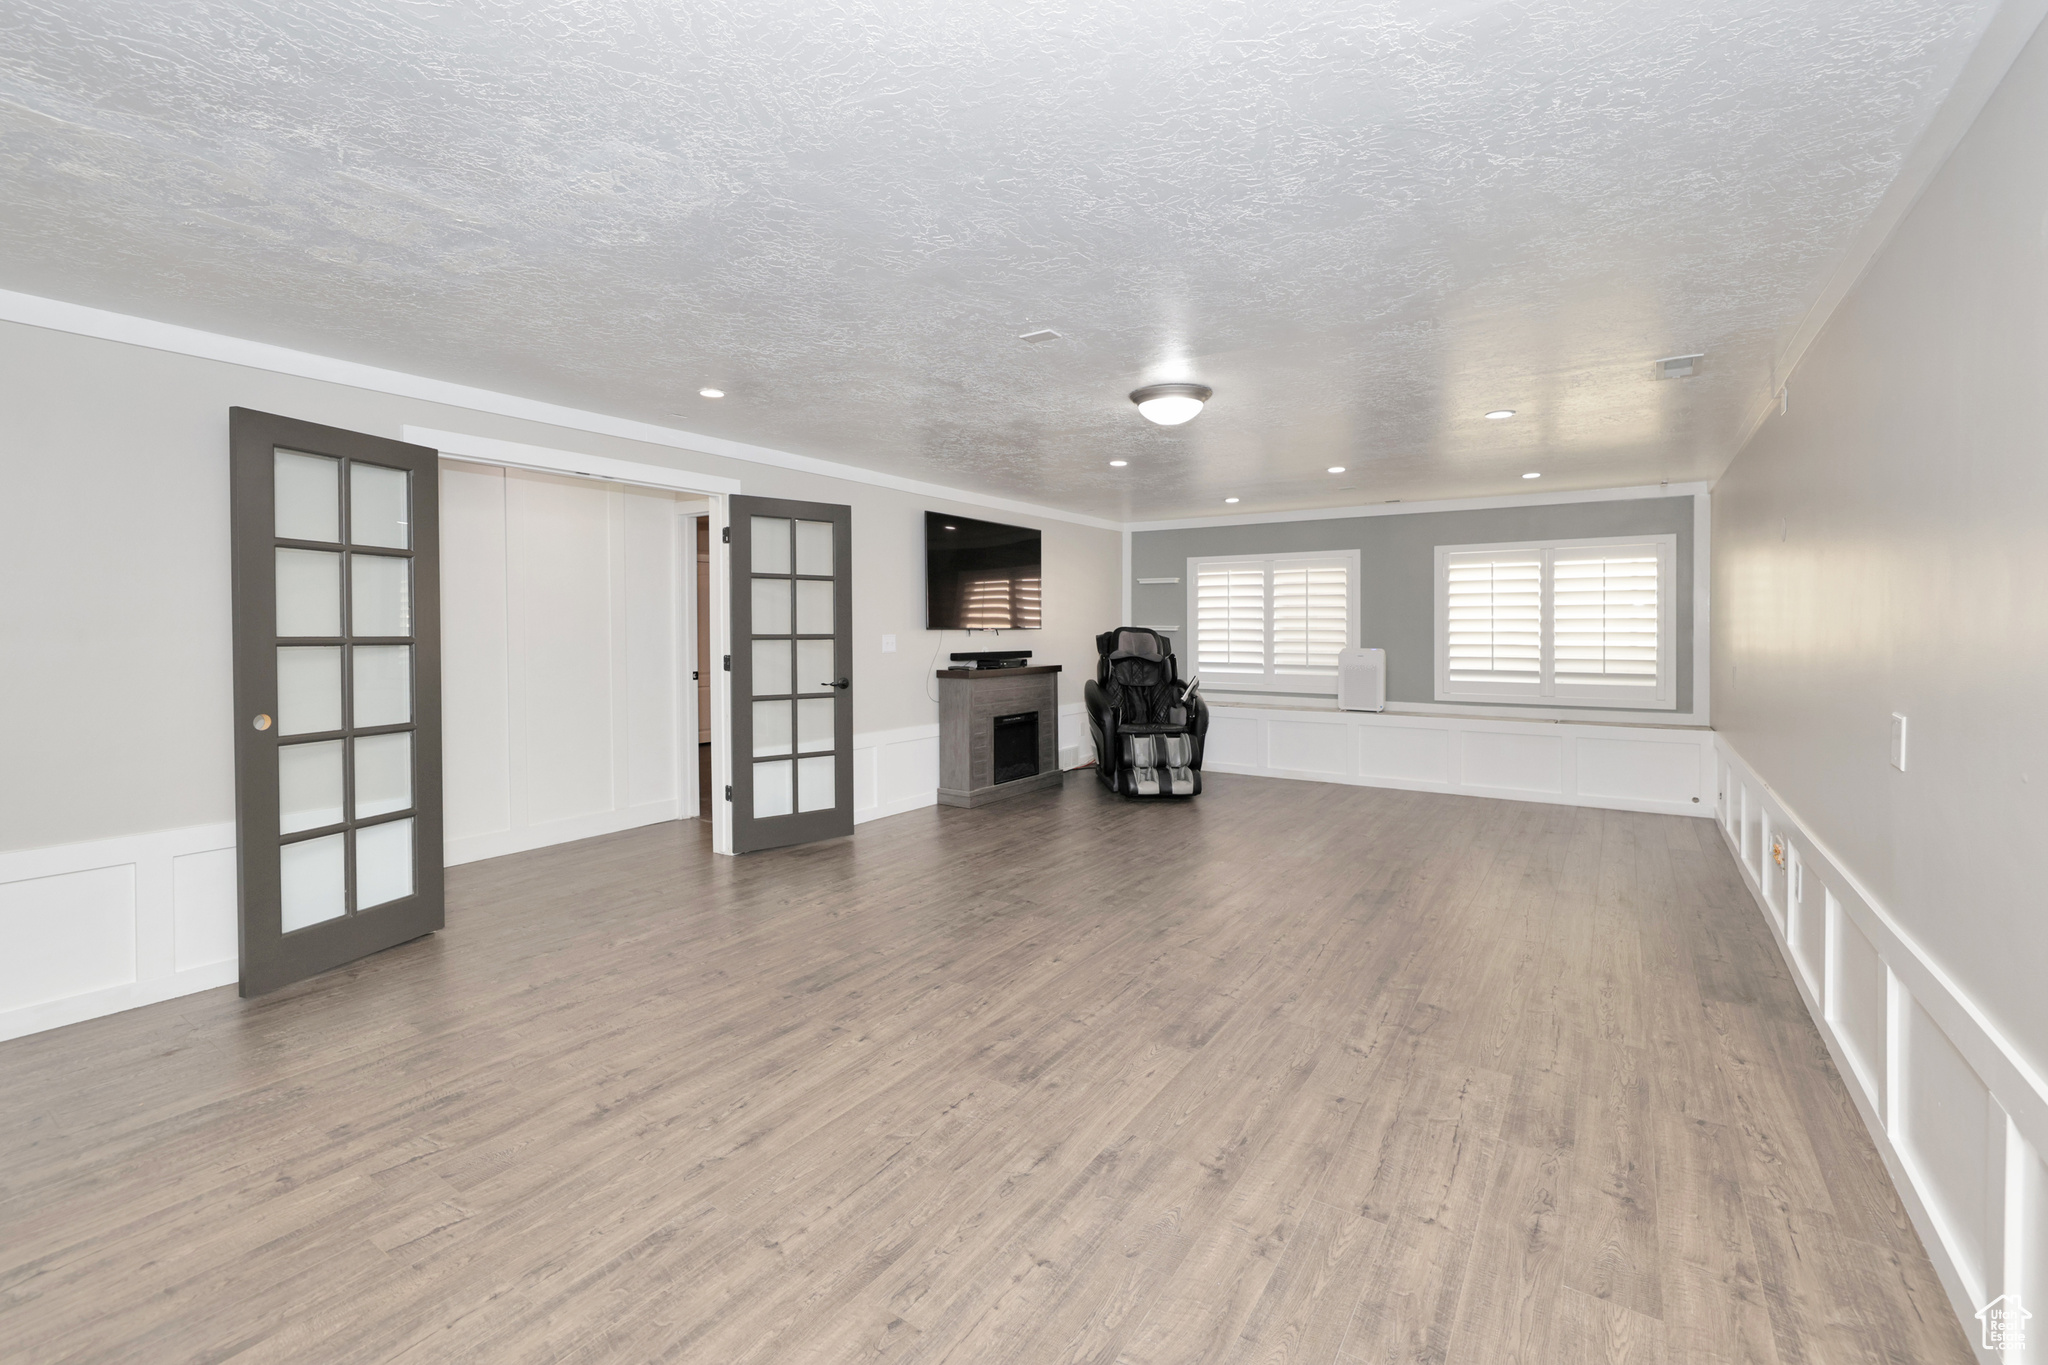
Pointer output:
1959, 1117
1403, 754
91, 929
1513, 761
1618, 767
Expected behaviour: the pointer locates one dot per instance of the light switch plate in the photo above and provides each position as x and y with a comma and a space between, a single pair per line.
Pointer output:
888, 644
1898, 741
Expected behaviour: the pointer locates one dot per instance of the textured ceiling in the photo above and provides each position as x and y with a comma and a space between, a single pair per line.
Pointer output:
1363, 223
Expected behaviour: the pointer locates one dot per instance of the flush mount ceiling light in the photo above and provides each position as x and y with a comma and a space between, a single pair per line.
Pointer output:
1230, 499
1118, 464
1532, 476
1500, 414
1171, 404
711, 393
1334, 469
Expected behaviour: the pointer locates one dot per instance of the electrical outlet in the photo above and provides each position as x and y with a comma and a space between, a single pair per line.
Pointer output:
1898, 741
888, 644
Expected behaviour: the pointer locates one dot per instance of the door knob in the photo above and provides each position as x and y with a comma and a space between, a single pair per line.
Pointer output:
842, 684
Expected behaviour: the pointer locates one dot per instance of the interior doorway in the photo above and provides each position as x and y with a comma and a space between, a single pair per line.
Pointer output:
575, 634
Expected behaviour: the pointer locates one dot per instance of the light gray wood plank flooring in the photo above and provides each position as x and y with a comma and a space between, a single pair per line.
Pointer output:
1292, 1072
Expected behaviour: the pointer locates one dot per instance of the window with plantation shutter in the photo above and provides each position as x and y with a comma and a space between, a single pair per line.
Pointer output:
1271, 621
1575, 621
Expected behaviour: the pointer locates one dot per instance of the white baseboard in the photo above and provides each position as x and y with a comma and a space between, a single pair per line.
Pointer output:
1666, 770
498, 843
97, 928
1959, 1117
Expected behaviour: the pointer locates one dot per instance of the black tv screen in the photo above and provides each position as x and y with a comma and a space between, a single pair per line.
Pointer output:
979, 575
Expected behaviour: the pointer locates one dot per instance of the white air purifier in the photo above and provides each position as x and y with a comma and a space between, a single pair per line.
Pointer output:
1362, 680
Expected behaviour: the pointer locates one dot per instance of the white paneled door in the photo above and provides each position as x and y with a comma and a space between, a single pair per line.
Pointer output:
337, 695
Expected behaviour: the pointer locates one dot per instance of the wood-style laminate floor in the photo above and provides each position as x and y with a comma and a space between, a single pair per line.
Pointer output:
1289, 1073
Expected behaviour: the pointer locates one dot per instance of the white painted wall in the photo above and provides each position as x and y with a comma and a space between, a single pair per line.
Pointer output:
1881, 547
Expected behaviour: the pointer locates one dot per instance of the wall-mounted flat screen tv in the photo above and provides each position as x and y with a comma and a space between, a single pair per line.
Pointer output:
979, 575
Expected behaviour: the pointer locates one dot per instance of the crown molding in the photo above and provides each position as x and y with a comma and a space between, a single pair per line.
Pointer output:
1402, 509
57, 315
78, 319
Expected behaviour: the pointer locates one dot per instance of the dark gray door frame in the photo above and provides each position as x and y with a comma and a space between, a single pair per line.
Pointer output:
748, 833
271, 958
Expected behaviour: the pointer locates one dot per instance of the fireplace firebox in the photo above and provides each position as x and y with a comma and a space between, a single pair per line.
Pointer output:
1016, 746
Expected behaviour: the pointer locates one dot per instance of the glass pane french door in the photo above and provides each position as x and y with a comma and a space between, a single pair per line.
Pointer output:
337, 695
792, 683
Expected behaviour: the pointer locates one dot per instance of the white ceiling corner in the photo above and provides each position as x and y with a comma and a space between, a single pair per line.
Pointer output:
1364, 222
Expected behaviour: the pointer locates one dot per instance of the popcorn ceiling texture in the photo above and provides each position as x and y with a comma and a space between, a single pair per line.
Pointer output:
1364, 224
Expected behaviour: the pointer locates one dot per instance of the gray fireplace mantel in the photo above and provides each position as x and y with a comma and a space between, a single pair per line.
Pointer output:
970, 699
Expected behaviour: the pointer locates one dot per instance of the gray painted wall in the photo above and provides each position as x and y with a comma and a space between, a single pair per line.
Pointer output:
114, 652
1397, 567
1884, 546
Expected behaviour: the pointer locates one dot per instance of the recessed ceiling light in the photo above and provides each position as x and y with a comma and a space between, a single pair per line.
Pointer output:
1118, 464
952, 528
1171, 404
1230, 499
1500, 414
1335, 469
711, 393
1532, 476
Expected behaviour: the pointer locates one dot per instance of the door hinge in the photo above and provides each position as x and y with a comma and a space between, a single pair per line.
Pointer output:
694, 677
728, 663
725, 534
728, 791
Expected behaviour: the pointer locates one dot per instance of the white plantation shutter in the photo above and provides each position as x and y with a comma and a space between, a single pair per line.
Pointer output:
1604, 605
1311, 615
1587, 622
1272, 621
1230, 618
1494, 620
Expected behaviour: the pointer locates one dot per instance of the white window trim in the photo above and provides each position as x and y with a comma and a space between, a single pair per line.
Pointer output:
1297, 683
1663, 698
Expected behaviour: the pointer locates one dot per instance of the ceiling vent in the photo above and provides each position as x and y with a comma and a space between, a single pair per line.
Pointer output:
1679, 366
1042, 334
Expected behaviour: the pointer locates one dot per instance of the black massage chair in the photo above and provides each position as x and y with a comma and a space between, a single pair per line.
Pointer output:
1148, 724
